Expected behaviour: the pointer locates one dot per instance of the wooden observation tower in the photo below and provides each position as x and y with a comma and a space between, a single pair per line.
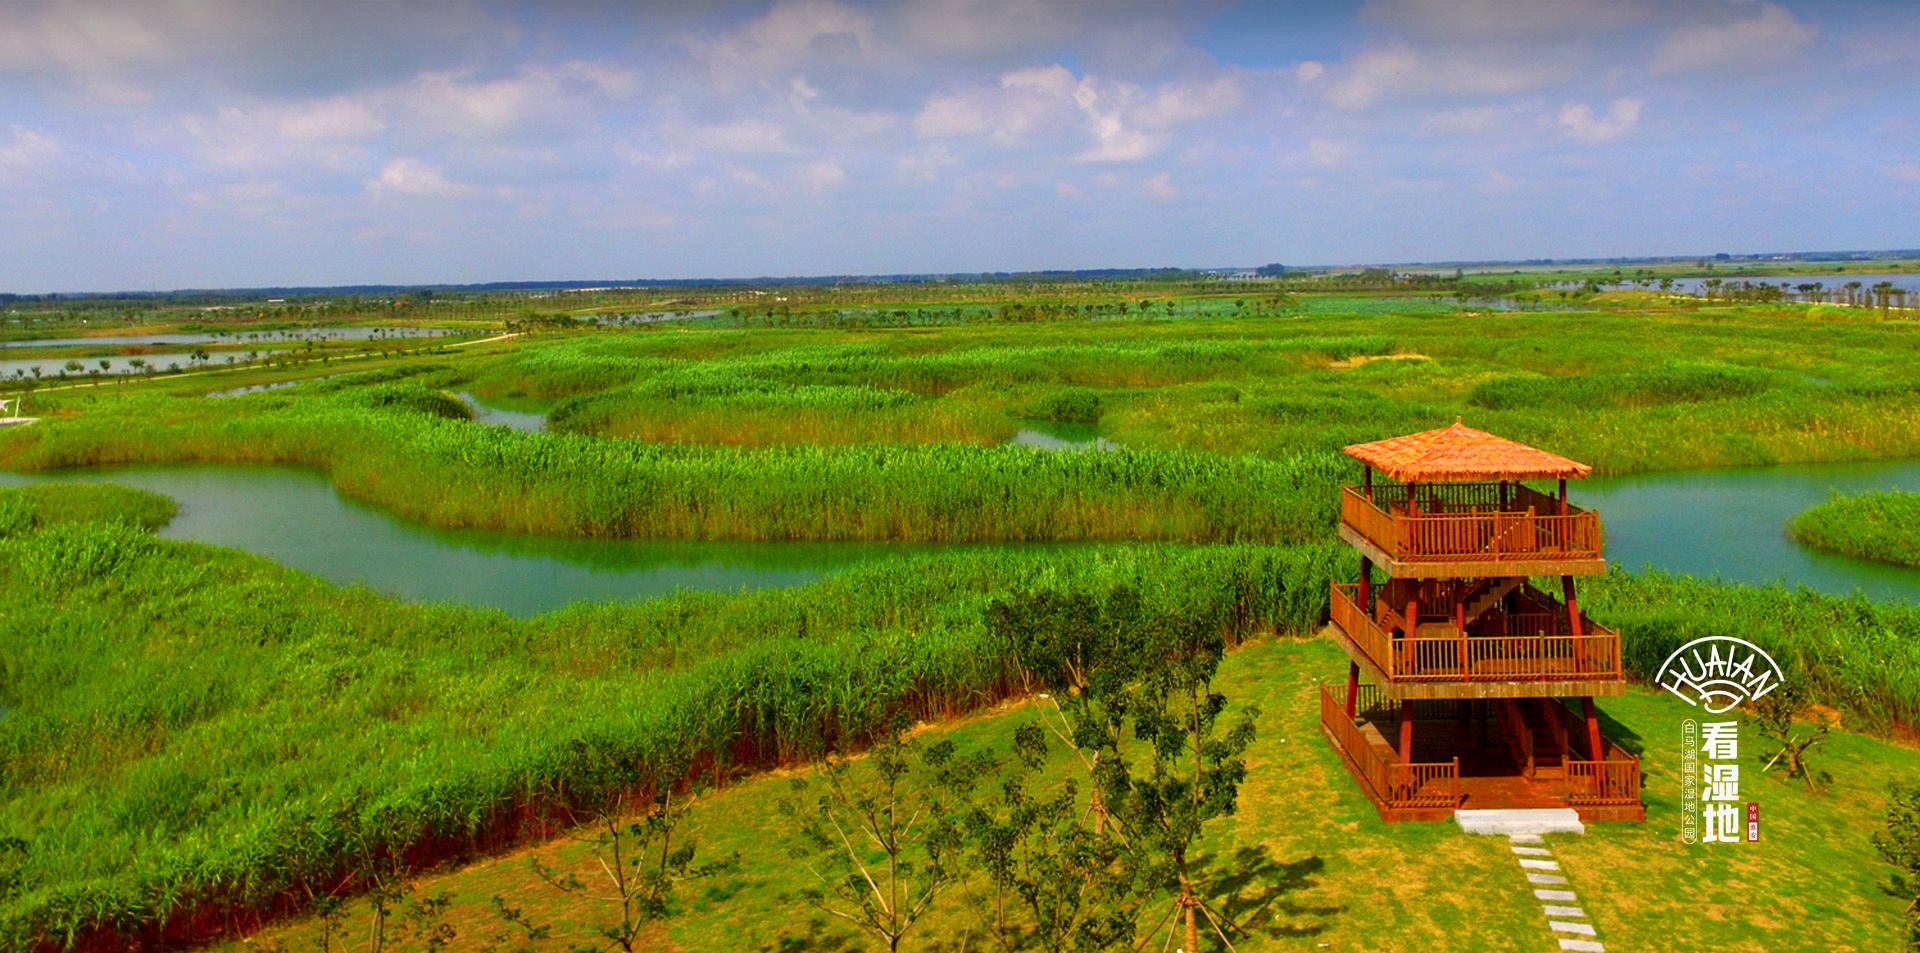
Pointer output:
1468, 686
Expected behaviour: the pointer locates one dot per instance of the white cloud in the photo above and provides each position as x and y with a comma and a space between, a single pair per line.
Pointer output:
410, 176
747, 137
1481, 20
821, 176
1580, 122
1400, 72
28, 153
1310, 70
1906, 172
793, 34
535, 101
1160, 188
1126, 121
1067, 190
1327, 152
1757, 41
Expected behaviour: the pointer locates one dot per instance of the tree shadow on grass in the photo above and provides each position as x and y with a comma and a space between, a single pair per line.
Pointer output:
819, 936
1256, 893
1628, 739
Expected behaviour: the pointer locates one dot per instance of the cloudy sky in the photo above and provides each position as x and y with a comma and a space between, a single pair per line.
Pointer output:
153, 144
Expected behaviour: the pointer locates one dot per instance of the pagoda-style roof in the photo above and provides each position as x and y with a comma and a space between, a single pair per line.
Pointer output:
1459, 453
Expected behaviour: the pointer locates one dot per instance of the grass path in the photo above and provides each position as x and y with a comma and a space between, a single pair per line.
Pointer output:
1337, 877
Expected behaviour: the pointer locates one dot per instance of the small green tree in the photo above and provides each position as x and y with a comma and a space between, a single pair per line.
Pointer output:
884, 837
641, 862
1899, 845
1774, 716
1045, 856
1140, 694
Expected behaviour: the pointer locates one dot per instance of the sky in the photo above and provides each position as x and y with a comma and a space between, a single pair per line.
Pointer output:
160, 144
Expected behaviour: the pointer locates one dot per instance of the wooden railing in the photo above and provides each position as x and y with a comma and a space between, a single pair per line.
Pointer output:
1392, 783
1471, 526
1613, 781
1604, 783
1460, 657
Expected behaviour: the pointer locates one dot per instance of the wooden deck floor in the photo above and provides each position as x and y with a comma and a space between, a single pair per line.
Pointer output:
1489, 776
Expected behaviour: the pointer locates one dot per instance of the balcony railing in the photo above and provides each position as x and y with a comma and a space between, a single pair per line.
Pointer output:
1390, 782
1534, 647
1470, 521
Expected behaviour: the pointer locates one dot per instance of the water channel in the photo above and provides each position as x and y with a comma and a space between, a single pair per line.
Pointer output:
1728, 522
295, 517
1732, 522
239, 336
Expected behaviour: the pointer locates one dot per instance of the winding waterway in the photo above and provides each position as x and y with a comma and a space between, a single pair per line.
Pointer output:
296, 517
1732, 522
1729, 523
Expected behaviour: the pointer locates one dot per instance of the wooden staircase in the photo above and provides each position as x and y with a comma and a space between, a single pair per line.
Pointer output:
1535, 737
1488, 594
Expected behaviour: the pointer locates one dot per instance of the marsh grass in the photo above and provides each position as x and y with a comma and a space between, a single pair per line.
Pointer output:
1882, 526
1306, 838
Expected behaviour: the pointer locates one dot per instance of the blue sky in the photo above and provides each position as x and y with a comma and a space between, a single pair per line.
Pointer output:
153, 144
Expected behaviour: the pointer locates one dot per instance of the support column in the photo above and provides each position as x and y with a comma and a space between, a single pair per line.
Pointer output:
1366, 587
1593, 730
1406, 731
1408, 651
1368, 483
1353, 689
1563, 497
1574, 625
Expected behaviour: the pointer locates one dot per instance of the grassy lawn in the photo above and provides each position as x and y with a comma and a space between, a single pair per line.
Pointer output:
1334, 876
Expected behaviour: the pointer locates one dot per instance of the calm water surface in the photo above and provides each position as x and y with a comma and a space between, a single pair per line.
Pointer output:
1733, 523
519, 415
295, 517
1059, 435
238, 337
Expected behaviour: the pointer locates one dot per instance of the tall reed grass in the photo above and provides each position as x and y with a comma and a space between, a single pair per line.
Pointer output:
196, 738
1882, 526
402, 453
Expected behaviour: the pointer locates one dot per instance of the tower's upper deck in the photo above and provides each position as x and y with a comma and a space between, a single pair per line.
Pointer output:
1457, 508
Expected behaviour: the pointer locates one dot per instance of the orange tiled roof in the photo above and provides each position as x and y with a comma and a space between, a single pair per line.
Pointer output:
1460, 452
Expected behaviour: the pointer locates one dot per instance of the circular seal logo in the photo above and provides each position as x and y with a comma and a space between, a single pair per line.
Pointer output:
1719, 672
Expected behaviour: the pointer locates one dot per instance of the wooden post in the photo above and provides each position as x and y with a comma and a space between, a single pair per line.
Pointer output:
1563, 497
1406, 731
1574, 626
1369, 484
1593, 731
1413, 626
1460, 626
1413, 502
1366, 587
1503, 495
1353, 690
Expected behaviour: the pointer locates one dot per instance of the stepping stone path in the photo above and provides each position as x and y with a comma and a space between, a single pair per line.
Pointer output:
1525, 831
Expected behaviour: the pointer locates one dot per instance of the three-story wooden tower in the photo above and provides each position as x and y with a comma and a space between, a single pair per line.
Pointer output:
1469, 686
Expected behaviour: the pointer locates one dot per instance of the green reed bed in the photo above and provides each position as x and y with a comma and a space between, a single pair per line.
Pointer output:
1850, 653
401, 446
1882, 526
196, 737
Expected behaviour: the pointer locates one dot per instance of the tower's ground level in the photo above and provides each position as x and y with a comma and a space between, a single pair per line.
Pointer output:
1478, 754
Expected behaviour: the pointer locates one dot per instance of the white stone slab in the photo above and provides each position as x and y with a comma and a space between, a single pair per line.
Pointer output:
1532, 863
1583, 946
1526, 838
1546, 879
1554, 911
1533, 851
1568, 926
1543, 821
1555, 895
